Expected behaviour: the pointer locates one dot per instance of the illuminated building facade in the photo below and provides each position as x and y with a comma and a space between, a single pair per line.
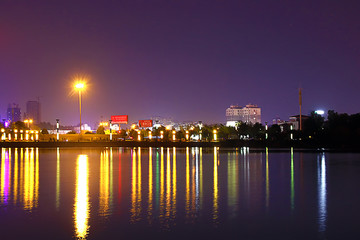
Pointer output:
249, 114
13, 113
33, 111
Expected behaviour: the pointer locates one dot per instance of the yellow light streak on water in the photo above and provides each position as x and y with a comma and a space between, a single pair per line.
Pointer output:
193, 184
139, 197
28, 194
104, 184
168, 187
133, 187
16, 175
150, 194
2, 185
36, 186
81, 208
187, 196
162, 185
173, 210
215, 190
21, 180
57, 179
111, 178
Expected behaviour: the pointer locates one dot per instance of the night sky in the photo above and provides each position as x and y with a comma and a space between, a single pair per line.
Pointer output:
188, 60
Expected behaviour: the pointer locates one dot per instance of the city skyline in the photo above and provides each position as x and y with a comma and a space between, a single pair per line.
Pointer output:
187, 60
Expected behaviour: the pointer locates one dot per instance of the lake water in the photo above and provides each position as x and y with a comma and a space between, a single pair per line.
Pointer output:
168, 193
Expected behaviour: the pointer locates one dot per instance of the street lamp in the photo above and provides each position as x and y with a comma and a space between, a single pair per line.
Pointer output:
139, 135
215, 135
110, 130
79, 86
57, 129
3, 134
162, 135
28, 122
173, 135
266, 130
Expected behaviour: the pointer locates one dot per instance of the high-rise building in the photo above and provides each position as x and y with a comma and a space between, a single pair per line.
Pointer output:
13, 113
33, 111
249, 114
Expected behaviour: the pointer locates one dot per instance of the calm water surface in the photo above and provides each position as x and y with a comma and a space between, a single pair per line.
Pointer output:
168, 193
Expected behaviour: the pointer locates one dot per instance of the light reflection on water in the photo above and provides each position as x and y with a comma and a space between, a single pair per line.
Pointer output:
81, 206
322, 193
161, 187
19, 181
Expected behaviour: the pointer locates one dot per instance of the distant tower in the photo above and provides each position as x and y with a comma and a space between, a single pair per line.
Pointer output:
33, 111
13, 112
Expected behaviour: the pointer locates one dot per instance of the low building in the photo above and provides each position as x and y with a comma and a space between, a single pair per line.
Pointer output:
249, 114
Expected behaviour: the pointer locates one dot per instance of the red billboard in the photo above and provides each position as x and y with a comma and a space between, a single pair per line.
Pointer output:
120, 119
145, 123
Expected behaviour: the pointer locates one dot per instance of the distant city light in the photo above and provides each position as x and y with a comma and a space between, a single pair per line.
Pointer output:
320, 112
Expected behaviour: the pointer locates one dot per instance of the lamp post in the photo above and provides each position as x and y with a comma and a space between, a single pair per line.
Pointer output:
266, 130
80, 86
215, 135
161, 135
139, 135
3, 135
173, 135
110, 130
57, 129
28, 122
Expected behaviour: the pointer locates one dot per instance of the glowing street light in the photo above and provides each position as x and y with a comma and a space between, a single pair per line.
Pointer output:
162, 135
110, 130
173, 135
28, 122
266, 130
3, 134
57, 129
215, 135
187, 135
80, 87
139, 135
104, 124
150, 135
15, 135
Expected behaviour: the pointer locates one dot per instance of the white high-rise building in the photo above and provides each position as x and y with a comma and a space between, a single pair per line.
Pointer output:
249, 114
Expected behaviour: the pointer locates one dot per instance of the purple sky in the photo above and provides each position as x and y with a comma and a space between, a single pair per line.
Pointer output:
188, 60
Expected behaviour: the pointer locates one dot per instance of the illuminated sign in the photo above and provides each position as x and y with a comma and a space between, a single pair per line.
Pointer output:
145, 123
120, 119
